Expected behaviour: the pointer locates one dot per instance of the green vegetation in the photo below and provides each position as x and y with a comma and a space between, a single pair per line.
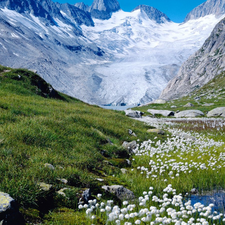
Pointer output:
39, 126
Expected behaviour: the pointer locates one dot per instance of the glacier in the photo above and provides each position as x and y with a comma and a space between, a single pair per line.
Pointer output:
143, 55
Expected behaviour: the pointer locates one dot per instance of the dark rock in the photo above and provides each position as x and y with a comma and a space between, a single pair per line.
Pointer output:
130, 146
121, 192
86, 195
134, 114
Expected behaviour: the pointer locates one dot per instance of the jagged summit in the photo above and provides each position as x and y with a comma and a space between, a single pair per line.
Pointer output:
102, 9
216, 7
153, 13
82, 6
106, 5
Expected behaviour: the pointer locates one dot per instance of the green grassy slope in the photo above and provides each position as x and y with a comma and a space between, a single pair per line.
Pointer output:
212, 92
38, 125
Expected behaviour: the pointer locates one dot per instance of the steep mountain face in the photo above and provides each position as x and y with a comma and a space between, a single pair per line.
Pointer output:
82, 6
44, 9
103, 9
153, 13
215, 7
201, 67
77, 15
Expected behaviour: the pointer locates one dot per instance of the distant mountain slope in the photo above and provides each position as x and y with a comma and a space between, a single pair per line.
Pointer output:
201, 67
153, 13
215, 7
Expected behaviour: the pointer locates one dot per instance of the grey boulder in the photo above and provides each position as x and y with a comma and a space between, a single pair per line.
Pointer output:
189, 114
217, 112
130, 146
188, 105
120, 192
133, 114
161, 112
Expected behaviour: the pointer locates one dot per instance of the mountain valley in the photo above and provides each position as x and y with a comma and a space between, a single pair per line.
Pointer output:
118, 58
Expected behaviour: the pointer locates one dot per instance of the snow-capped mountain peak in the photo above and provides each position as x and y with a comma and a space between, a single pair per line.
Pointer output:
105, 5
153, 13
103, 9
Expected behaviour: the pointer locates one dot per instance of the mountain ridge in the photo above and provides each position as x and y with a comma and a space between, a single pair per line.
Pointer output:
216, 7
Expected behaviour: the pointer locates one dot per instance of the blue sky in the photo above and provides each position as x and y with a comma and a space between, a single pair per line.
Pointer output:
176, 10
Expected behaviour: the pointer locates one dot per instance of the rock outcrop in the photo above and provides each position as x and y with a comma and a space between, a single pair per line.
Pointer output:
201, 67
120, 192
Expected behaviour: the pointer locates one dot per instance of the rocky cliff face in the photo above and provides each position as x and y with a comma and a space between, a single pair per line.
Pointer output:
48, 11
216, 7
153, 14
76, 14
201, 67
102, 9
82, 6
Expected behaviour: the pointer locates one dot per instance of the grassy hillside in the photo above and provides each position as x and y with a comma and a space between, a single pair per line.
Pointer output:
212, 92
39, 126
50, 141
